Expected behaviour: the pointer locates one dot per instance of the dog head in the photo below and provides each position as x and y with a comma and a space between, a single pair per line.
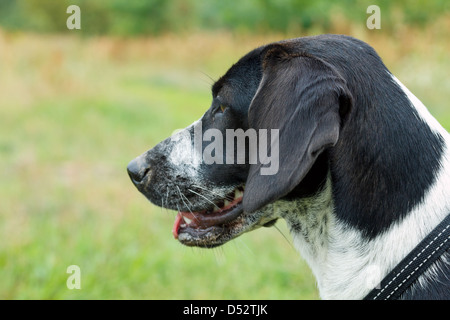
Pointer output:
264, 139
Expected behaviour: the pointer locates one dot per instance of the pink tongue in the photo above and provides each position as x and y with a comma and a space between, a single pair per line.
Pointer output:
176, 225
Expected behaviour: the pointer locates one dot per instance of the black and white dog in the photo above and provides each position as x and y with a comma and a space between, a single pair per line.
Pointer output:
356, 164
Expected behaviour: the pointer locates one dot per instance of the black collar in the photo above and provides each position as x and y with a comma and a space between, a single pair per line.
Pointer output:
414, 264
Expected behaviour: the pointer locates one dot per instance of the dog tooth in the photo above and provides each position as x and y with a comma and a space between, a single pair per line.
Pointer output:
226, 203
238, 193
187, 220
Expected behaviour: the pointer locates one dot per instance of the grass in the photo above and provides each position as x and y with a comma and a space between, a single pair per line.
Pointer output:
74, 112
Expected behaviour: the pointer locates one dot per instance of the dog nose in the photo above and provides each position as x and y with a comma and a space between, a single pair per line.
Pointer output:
136, 171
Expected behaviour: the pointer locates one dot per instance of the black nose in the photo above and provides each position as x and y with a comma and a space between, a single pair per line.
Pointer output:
137, 171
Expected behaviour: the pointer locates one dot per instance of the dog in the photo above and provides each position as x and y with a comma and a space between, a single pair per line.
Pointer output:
360, 170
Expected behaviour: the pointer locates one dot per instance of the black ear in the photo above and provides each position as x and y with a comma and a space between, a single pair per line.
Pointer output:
304, 98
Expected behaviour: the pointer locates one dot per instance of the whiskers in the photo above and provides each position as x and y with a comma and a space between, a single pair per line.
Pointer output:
200, 195
164, 202
187, 206
284, 236
210, 80
215, 194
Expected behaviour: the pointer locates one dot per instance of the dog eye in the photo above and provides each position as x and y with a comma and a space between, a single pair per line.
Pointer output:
219, 111
221, 108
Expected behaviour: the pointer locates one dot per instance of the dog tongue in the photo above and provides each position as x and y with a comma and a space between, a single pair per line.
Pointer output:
176, 225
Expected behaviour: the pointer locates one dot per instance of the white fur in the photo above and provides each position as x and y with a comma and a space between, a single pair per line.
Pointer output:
345, 265
184, 157
422, 110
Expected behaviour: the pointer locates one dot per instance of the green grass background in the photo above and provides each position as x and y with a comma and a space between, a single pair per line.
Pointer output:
73, 113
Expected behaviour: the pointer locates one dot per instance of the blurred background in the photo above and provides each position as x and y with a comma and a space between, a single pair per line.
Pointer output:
77, 105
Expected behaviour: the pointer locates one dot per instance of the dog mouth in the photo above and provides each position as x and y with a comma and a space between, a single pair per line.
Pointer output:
203, 228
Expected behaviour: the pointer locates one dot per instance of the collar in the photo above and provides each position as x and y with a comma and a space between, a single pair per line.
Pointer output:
414, 264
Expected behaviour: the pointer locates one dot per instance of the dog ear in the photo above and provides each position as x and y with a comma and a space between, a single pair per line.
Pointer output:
304, 98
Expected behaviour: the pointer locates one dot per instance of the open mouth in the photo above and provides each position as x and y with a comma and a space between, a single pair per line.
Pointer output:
210, 222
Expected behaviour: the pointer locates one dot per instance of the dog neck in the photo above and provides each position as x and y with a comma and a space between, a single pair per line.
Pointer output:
346, 264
